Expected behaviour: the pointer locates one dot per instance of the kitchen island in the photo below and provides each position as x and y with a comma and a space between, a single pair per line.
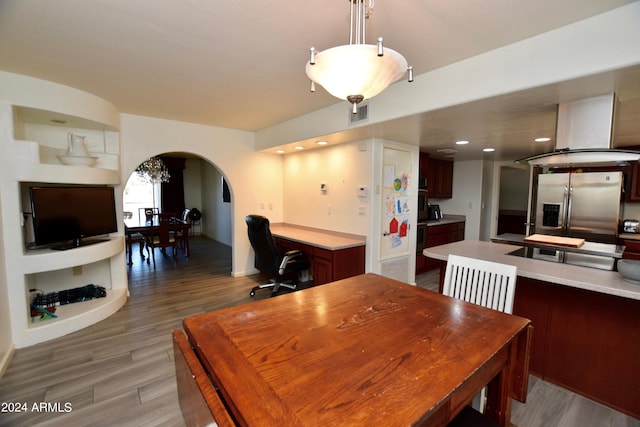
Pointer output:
586, 323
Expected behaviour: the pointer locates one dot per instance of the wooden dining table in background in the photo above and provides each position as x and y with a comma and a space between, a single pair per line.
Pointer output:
144, 227
366, 350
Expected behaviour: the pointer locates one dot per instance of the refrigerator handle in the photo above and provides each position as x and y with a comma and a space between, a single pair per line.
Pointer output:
568, 192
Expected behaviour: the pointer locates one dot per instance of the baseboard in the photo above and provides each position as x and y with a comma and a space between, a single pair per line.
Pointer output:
6, 358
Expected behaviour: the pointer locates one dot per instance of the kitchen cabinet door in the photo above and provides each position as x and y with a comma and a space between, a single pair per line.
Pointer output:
440, 179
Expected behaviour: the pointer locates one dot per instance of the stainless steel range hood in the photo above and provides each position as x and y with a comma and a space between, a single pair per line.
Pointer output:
583, 136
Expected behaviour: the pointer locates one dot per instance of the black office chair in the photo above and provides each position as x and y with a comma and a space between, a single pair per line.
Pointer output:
268, 259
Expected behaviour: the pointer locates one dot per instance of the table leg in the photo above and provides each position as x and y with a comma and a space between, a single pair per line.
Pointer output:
129, 245
499, 390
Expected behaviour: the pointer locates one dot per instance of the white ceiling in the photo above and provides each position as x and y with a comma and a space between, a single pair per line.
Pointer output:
240, 63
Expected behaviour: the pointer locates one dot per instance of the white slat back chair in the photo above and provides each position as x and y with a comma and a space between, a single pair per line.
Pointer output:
485, 283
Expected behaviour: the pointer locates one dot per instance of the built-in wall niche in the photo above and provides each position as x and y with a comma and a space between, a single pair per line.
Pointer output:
97, 273
51, 131
88, 209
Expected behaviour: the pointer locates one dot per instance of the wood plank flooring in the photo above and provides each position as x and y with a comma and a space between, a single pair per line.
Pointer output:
120, 371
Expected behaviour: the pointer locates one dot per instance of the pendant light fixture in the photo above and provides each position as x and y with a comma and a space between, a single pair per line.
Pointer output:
153, 171
357, 71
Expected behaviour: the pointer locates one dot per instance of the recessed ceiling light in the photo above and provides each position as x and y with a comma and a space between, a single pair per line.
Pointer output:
447, 150
299, 147
545, 139
463, 142
488, 150
280, 151
321, 142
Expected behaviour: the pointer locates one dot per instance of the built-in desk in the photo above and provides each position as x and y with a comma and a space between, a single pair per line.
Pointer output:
333, 255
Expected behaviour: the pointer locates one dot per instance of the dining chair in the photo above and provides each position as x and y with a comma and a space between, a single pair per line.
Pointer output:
147, 214
135, 237
485, 283
161, 237
181, 232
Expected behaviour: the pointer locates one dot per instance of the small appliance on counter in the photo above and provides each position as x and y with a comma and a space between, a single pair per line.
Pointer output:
434, 212
631, 226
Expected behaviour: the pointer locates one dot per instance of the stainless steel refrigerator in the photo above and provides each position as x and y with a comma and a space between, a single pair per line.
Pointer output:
585, 205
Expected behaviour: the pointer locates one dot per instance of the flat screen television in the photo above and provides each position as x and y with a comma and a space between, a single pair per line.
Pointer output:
64, 216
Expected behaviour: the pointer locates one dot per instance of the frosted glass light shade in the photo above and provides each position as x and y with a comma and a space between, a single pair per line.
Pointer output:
356, 69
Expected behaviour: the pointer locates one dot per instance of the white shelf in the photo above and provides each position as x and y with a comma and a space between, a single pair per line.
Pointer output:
64, 174
73, 317
42, 260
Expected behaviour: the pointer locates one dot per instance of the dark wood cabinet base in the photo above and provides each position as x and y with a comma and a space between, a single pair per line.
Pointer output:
584, 341
327, 265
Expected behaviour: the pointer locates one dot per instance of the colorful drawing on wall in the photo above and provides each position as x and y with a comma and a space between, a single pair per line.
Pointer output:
393, 226
403, 205
404, 227
397, 184
405, 182
389, 206
395, 241
389, 176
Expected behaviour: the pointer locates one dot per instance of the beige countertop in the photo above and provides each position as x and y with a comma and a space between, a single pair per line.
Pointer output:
629, 236
592, 279
325, 239
447, 219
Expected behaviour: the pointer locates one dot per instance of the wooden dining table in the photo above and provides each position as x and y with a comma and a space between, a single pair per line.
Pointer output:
366, 350
145, 226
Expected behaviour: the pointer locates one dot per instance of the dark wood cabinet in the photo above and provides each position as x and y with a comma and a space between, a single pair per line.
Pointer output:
584, 341
633, 185
444, 180
532, 301
631, 248
328, 265
439, 176
437, 235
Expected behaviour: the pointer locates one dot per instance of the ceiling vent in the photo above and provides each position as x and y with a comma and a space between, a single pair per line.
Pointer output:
361, 115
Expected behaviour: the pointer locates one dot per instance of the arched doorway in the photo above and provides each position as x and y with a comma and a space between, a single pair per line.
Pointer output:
202, 188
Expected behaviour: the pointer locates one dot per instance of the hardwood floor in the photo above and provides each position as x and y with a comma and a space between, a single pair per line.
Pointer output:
120, 371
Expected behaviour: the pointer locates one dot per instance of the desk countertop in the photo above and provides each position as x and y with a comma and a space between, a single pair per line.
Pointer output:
324, 239
592, 279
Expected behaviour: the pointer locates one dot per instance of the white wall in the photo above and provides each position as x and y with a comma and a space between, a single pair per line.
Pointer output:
192, 176
487, 212
514, 188
216, 215
342, 168
252, 176
6, 340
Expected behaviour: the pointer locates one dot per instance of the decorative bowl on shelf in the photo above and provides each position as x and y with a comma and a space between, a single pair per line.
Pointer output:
78, 160
630, 270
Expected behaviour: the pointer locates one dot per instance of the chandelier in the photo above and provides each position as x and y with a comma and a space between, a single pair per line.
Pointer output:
153, 170
356, 71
